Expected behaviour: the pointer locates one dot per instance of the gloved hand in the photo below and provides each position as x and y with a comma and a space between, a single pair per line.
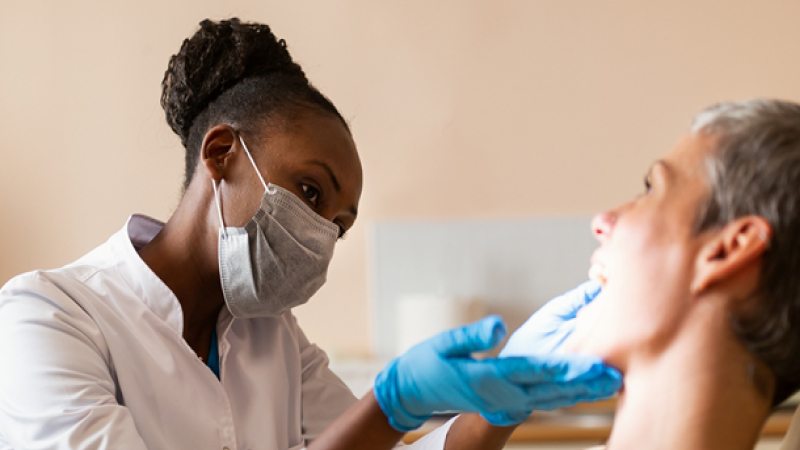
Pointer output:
547, 329
440, 375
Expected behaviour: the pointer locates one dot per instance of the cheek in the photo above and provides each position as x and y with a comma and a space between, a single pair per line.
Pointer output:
647, 258
648, 273
649, 277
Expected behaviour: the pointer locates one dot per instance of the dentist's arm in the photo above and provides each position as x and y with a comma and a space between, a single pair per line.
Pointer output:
364, 426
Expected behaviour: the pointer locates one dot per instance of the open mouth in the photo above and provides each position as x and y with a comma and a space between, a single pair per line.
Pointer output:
597, 272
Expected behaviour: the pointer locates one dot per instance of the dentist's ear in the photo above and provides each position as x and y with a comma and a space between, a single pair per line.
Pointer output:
217, 146
733, 256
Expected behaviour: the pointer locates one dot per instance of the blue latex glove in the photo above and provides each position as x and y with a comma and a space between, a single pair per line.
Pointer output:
545, 332
440, 375
550, 326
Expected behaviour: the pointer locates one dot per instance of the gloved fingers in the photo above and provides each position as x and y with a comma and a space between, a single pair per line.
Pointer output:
535, 370
547, 329
557, 404
574, 392
567, 305
506, 418
538, 337
564, 402
475, 337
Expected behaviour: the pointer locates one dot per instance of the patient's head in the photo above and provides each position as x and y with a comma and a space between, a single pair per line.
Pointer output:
719, 221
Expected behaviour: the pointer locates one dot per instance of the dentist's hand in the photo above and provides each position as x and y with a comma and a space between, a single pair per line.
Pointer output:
440, 375
551, 325
545, 332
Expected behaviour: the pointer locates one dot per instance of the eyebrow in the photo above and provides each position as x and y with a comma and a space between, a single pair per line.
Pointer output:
328, 169
334, 180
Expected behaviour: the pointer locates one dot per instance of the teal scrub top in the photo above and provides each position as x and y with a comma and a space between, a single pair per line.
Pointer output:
213, 354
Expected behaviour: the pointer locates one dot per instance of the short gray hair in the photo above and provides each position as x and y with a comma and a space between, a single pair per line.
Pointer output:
755, 170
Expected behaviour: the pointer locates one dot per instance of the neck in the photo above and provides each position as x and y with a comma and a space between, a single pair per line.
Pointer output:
184, 256
697, 394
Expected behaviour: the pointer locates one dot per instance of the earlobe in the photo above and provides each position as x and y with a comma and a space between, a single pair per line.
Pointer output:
735, 249
216, 148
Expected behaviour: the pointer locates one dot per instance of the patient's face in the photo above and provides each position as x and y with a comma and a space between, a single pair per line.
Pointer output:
648, 252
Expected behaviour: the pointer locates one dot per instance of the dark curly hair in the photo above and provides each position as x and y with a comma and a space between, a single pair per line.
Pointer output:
233, 72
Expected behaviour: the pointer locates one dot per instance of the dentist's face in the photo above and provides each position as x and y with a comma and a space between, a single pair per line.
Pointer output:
313, 157
648, 251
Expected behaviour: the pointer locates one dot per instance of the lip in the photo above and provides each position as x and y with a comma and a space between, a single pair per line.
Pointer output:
597, 268
596, 258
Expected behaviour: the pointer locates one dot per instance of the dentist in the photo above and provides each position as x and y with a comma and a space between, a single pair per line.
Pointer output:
179, 335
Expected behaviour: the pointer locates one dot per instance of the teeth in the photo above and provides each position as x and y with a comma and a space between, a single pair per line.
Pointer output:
596, 273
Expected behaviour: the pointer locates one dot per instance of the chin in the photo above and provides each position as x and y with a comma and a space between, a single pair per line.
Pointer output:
595, 335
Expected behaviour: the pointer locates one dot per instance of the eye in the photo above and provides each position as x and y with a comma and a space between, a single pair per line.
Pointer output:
310, 193
647, 186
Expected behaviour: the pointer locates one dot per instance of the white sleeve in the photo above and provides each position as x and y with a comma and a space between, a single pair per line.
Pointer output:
325, 396
56, 387
432, 441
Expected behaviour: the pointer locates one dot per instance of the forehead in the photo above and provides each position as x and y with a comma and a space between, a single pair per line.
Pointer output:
686, 162
312, 135
683, 178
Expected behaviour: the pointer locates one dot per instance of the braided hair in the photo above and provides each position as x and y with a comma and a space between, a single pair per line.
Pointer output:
233, 72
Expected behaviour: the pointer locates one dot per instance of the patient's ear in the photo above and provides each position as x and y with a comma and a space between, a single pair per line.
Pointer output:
733, 254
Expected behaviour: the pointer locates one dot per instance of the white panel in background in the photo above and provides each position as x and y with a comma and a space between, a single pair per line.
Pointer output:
511, 266
439, 313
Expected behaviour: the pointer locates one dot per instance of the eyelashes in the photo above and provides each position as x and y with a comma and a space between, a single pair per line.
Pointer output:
311, 194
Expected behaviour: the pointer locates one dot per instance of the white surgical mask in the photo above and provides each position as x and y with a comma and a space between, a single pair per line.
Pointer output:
279, 259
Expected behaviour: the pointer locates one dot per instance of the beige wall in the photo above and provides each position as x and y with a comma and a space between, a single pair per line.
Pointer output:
459, 108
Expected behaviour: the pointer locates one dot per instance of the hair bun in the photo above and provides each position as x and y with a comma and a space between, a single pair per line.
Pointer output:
214, 59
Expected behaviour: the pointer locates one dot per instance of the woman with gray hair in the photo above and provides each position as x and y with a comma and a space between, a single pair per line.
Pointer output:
701, 298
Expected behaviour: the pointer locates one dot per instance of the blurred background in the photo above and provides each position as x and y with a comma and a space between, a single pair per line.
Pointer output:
476, 112
460, 109
489, 131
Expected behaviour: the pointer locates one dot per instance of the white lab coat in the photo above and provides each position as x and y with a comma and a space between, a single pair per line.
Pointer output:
92, 357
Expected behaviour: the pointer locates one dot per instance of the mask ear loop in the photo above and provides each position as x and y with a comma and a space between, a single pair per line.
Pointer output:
252, 161
219, 207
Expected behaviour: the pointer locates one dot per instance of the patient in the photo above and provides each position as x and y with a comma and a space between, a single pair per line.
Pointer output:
700, 308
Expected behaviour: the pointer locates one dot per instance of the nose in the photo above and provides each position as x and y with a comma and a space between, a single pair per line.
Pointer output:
603, 224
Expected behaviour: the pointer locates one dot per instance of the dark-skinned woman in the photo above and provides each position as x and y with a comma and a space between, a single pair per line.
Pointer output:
179, 335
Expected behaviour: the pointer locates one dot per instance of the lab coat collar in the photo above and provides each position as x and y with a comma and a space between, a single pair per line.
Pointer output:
138, 231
